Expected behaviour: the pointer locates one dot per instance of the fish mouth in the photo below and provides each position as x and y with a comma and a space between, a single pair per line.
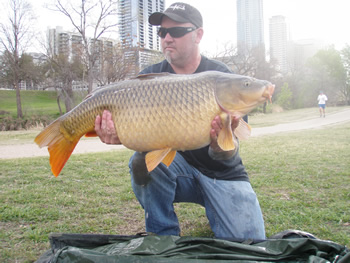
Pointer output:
269, 90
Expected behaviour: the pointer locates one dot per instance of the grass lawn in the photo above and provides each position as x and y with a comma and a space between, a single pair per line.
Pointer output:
34, 102
301, 178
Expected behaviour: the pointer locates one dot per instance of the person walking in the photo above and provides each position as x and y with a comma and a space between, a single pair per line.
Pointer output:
322, 98
209, 176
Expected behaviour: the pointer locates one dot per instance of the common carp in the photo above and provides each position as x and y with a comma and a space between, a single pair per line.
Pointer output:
160, 114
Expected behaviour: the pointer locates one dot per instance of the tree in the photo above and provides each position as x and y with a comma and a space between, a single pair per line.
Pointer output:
250, 63
16, 35
87, 16
284, 97
345, 90
118, 65
326, 73
60, 73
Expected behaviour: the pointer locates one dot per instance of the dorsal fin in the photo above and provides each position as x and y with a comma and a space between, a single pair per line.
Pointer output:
153, 75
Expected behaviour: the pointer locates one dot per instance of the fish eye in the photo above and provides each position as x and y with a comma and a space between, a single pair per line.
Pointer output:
246, 83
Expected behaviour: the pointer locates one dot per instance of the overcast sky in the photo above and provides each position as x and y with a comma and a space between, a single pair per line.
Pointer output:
321, 19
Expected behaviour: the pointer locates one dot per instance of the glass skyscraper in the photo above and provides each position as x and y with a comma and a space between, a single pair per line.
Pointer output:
250, 25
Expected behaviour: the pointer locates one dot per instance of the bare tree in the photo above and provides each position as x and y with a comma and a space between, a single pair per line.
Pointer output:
16, 35
61, 71
116, 66
242, 65
251, 63
93, 18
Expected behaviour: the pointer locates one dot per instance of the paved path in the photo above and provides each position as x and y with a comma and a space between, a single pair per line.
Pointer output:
94, 145
331, 119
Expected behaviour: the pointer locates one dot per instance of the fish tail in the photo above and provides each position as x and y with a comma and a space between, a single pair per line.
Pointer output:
59, 147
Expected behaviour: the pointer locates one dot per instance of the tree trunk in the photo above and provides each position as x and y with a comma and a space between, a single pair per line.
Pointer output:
68, 96
90, 77
18, 101
58, 103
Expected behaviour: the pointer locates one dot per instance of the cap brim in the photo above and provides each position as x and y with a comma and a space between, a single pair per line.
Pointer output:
156, 18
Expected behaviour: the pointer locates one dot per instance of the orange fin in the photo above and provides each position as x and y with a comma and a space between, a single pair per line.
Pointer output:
156, 157
169, 158
59, 147
91, 134
243, 130
225, 137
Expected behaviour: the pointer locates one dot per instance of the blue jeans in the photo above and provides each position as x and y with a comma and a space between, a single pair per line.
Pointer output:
231, 207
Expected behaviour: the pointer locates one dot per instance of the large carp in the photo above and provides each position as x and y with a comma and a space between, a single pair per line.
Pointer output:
160, 114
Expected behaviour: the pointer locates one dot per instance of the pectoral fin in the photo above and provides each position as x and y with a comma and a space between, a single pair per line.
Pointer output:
243, 130
225, 137
156, 157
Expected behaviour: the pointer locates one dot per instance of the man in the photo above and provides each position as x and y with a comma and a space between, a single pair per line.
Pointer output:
208, 176
322, 98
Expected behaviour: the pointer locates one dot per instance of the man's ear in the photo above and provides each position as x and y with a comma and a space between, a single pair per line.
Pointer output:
200, 33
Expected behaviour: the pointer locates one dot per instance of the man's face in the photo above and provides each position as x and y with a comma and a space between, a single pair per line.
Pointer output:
177, 50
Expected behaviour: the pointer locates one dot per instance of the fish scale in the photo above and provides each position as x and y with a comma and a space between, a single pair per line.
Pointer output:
159, 114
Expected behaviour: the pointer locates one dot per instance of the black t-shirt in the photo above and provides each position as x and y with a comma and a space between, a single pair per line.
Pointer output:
231, 169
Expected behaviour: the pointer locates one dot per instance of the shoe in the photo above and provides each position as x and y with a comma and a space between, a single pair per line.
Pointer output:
140, 173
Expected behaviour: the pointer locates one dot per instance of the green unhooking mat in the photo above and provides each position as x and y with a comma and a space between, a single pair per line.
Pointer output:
153, 248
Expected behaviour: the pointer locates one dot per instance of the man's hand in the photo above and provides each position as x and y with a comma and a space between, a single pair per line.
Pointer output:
214, 150
104, 127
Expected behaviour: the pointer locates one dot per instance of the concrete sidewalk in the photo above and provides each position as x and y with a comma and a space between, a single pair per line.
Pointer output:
331, 119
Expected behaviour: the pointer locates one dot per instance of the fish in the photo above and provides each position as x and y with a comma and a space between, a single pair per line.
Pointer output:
160, 113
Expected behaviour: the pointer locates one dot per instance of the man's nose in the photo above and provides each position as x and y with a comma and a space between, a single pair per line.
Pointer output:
168, 37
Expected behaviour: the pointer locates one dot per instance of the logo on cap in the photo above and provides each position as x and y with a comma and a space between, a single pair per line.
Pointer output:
175, 7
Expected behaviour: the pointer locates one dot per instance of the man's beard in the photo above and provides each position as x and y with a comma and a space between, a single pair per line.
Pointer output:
168, 57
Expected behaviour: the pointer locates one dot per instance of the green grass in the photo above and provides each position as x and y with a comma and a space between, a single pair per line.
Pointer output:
33, 102
301, 179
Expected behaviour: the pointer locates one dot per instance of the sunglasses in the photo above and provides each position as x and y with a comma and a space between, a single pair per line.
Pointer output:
175, 31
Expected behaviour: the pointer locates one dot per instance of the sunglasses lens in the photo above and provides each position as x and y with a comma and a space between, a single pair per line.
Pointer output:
177, 31
162, 32
174, 31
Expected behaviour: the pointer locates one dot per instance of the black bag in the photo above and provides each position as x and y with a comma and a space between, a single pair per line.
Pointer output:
287, 246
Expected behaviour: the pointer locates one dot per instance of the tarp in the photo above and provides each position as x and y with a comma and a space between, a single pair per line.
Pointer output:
153, 248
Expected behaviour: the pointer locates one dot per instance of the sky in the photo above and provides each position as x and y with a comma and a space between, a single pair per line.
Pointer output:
327, 20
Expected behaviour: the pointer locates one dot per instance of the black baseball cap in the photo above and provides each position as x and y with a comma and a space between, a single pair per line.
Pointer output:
179, 12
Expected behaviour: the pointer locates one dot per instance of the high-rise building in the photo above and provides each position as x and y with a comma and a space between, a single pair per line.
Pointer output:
135, 31
300, 51
63, 42
250, 25
70, 44
278, 42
